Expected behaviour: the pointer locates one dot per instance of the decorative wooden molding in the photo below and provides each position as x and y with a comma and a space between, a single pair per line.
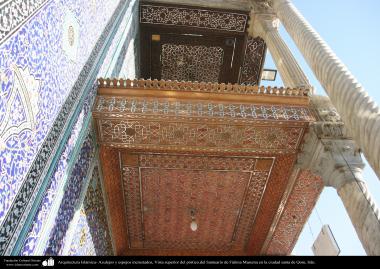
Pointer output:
203, 91
200, 87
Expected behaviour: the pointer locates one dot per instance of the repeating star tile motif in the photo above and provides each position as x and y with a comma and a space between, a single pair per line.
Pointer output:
37, 47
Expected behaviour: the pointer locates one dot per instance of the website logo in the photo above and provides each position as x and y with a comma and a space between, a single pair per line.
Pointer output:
48, 262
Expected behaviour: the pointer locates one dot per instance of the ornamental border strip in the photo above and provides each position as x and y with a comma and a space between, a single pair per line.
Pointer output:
12, 12
144, 7
24, 200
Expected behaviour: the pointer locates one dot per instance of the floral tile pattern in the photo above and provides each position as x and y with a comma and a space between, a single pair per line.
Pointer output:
91, 236
71, 198
34, 53
38, 74
44, 211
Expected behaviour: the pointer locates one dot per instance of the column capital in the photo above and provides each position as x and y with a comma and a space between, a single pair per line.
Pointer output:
329, 150
337, 161
276, 3
329, 123
359, 112
262, 19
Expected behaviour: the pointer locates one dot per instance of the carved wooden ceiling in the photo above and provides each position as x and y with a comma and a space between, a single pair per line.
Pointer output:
198, 44
220, 155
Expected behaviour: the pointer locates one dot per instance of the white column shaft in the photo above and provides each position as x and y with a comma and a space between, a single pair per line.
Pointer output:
358, 111
291, 73
364, 215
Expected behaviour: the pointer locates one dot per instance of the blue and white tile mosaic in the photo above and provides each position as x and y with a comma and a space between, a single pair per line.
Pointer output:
14, 13
71, 198
37, 72
44, 211
91, 236
35, 53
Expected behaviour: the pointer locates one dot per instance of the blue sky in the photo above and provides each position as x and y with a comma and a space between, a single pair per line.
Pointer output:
352, 30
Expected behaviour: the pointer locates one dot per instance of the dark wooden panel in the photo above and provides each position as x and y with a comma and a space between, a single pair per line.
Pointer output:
193, 30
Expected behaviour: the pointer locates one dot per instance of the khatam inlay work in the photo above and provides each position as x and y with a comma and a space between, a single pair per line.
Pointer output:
221, 137
158, 124
192, 17
227, 188
112, 106
33, 64
300, 203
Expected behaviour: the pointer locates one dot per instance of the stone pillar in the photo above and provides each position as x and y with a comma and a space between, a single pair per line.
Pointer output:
330, 153
359, 112
265, 25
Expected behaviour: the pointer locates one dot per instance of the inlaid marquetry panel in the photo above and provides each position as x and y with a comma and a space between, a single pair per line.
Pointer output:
184, 124
145, 134
123, 106
193, 17
192, 43
191, 63
224, 152
224, 192
251, 68
301, 202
